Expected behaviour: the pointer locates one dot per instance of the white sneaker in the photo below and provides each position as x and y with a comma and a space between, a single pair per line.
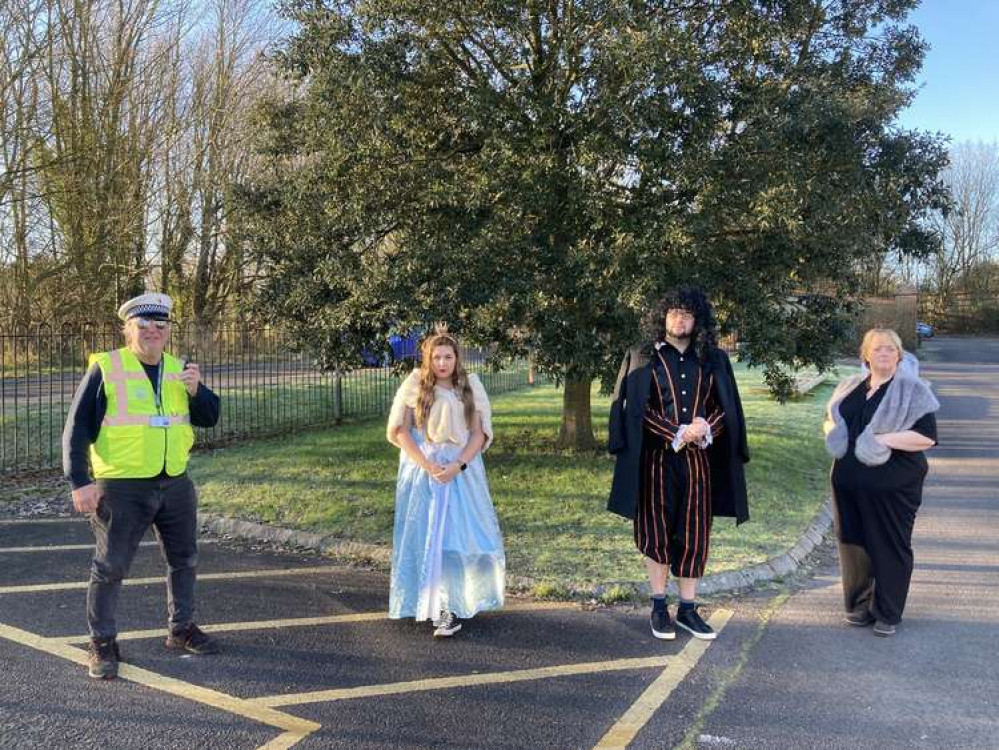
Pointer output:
446, 625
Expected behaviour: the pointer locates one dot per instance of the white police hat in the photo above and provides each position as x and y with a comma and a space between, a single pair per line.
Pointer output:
149, 305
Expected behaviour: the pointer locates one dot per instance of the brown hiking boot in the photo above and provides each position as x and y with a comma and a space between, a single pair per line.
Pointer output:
192, 638
103, 659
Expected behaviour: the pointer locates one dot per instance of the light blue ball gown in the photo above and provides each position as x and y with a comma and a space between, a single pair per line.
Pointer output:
447, 549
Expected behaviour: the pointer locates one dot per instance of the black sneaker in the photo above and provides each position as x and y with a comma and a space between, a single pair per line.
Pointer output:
446, 625
690, 621
860, 617
103, 659
883, 629
192, 638
662, 625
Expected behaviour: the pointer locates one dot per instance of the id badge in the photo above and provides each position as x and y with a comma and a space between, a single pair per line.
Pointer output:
159, 421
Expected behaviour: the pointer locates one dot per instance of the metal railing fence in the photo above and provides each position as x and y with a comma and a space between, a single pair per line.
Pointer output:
265, 387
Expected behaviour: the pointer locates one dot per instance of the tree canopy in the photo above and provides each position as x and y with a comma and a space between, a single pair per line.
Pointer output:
535, 172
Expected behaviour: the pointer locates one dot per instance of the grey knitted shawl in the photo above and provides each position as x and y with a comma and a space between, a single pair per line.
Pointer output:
905, 402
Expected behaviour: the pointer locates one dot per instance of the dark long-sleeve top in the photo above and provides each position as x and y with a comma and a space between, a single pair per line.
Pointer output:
903, 468
681, 391
858, 411
90, 405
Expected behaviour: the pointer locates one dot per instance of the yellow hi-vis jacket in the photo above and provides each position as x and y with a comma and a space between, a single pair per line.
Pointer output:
138, 438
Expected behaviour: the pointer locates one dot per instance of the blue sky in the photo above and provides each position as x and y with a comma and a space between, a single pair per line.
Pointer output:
960, 76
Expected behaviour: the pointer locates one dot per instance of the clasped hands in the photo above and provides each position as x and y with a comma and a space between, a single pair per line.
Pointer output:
443, 473
695, 432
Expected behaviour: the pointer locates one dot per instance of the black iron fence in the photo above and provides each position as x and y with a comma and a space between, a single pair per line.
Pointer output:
265, 387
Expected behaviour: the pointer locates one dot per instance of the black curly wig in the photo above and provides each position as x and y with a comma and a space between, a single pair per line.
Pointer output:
704, 337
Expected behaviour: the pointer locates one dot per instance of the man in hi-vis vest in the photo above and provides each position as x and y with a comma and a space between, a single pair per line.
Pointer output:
125, 447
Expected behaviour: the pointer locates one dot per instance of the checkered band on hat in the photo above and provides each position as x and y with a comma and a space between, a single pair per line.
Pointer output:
151, 304
145, 310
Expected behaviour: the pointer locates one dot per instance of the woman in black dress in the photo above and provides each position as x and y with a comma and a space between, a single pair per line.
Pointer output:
878, 425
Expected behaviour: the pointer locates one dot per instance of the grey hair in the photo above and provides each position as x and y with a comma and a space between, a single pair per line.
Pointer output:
127, 327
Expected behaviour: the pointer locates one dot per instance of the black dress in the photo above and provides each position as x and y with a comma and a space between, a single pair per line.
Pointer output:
875, 512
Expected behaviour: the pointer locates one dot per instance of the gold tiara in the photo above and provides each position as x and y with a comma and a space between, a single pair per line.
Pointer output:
440, 329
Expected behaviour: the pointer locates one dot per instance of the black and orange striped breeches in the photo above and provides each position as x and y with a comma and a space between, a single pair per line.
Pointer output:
673, 519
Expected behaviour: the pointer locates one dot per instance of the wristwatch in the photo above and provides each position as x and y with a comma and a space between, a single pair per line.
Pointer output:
464, 466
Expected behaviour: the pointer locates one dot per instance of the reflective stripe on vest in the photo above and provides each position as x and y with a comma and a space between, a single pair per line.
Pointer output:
128, 445
118, 378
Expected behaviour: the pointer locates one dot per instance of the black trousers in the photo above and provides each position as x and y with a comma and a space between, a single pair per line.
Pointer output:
875, 556
127, 509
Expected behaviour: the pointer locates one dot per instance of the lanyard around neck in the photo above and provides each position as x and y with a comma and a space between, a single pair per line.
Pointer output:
158, 391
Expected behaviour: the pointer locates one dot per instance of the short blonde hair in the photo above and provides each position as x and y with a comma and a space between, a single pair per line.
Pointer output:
868, 343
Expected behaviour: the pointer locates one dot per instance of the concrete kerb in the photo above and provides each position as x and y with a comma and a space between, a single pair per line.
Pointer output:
726, 582
326, 544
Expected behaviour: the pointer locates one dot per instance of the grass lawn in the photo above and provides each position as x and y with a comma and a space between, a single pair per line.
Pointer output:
550, 503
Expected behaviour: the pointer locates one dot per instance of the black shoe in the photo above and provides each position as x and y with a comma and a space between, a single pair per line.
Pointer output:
446, 625
662, 625
103, 659
883, 629
192, 638
860, 617
690, 621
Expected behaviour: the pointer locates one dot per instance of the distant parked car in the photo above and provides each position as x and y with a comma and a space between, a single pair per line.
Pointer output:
924, 330
404, 347
400, 348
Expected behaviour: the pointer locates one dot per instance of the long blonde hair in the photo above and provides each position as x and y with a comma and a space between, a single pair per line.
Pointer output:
459, 379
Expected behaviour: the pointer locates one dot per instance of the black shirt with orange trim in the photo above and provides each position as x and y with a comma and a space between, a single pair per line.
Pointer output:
681, 390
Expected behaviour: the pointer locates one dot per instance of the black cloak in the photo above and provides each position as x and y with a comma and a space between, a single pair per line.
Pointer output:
726, 455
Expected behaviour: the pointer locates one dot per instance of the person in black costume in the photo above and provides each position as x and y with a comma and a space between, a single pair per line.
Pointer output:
679, 439
879, 424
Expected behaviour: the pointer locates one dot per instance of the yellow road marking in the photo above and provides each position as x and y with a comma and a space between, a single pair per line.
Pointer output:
232, 627
690, 740
292, 725
299, 622
471, 680
636, 717
69, 547
59, 547
32, 588
286, 740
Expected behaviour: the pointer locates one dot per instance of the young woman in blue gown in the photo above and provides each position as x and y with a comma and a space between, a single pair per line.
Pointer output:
448, 561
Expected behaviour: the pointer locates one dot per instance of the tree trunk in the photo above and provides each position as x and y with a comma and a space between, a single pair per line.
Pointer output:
577, 427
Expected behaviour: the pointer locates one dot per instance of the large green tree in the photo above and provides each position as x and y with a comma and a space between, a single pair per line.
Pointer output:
535, 172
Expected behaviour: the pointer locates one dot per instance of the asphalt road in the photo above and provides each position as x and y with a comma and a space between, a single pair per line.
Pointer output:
310, 661
812, 683
534, 675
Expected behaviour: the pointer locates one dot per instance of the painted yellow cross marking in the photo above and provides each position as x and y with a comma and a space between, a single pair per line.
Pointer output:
676, 669
294, 727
